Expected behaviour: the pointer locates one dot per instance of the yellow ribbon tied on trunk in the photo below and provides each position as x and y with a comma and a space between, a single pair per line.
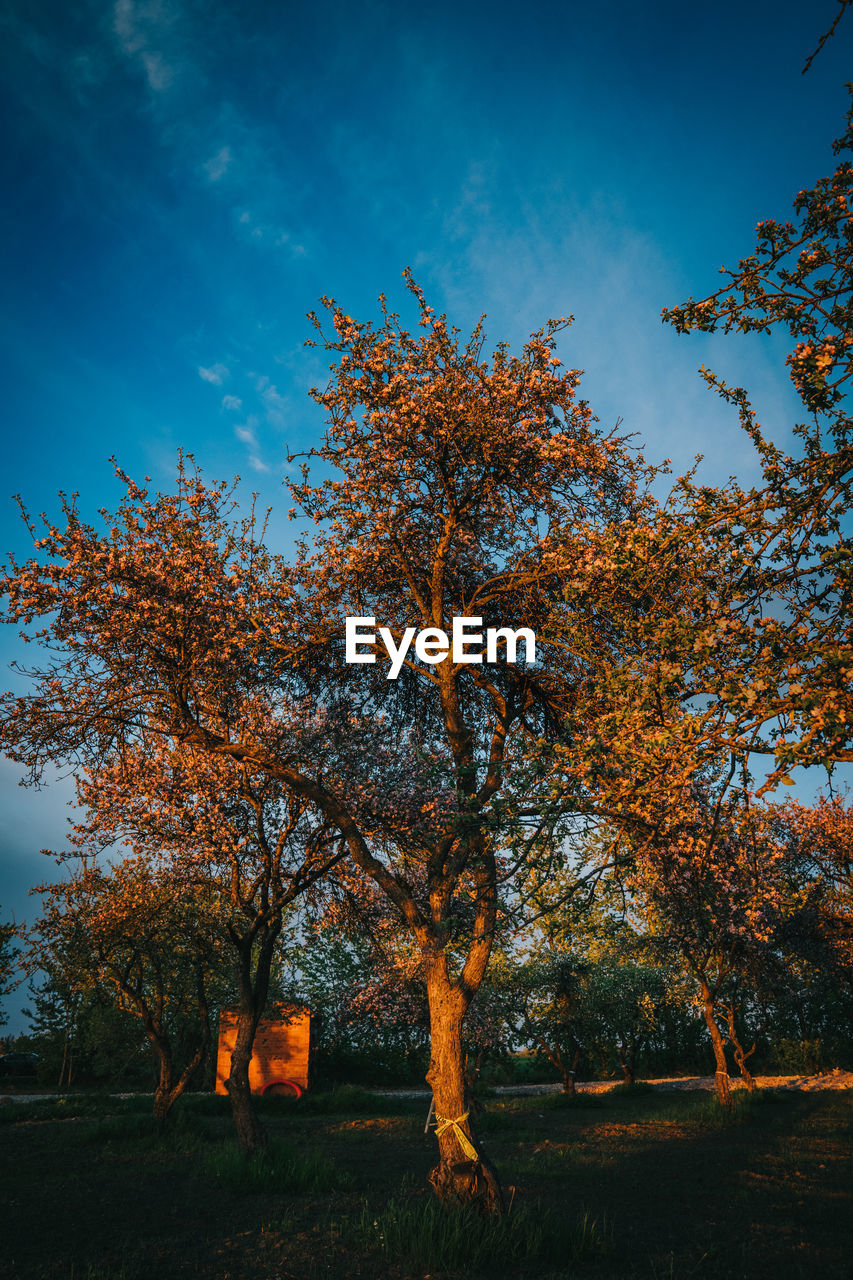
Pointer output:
456, 1125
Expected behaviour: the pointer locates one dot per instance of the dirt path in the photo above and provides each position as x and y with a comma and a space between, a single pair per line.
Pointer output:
828, 1080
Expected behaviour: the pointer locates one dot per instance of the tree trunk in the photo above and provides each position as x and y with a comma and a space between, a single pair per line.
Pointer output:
168, 1090
163, 1092
254, 988
569, 1076
721, 1078
463, 1174
555, 1057
251, 1134
740, 1053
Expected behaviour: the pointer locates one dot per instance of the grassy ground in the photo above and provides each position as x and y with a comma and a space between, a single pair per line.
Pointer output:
628, 1185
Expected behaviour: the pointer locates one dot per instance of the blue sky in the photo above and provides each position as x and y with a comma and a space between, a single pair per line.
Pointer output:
184, 180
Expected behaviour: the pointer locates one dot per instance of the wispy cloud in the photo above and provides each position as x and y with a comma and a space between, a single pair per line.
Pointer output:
232, 402
217, 373
217, 166
269, 234
139, 29
246, 432
275, 406
211, 136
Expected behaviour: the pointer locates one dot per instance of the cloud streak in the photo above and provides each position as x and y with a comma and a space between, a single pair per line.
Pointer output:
139, 30
217, 373
217, 166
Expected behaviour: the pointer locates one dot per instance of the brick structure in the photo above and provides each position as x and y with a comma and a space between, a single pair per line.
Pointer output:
280, 1052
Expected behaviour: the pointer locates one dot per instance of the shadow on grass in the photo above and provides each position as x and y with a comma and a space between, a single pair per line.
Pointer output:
684, 1189
183, 1130
695, 1190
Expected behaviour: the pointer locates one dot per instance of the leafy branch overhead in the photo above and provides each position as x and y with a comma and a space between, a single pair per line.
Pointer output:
799, 278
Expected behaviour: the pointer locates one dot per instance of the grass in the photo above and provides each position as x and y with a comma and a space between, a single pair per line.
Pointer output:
342, 1100
639, 1089
565, 1101
92, 1271
634, 1186
345, 1099
276, 1169
184, 1130
427, 1235
74, 1107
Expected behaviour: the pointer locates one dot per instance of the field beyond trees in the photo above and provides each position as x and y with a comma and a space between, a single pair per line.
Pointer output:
631, 1183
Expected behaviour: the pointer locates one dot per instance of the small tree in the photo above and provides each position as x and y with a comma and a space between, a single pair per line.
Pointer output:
154, 943
363, 984
620, 1000
712, 886
225, 835
544, 1001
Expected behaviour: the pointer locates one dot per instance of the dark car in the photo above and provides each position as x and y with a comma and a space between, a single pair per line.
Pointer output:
18, 1064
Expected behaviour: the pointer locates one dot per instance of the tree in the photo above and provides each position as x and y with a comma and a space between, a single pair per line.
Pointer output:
620, 1003
152, 941
818, 840
712, 886
216, 832
7, 963
800, 278
788, 666
728, 610
362, 982
454, 475
544, 1000
462, 492
156, 627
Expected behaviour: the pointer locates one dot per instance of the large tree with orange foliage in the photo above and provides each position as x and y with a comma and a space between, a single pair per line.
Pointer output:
152, 630
460, 487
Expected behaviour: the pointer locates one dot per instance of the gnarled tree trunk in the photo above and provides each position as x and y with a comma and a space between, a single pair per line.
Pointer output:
463, 1175
163, 1093
168, 1089
740, 1053
567, 1074
721, 1078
